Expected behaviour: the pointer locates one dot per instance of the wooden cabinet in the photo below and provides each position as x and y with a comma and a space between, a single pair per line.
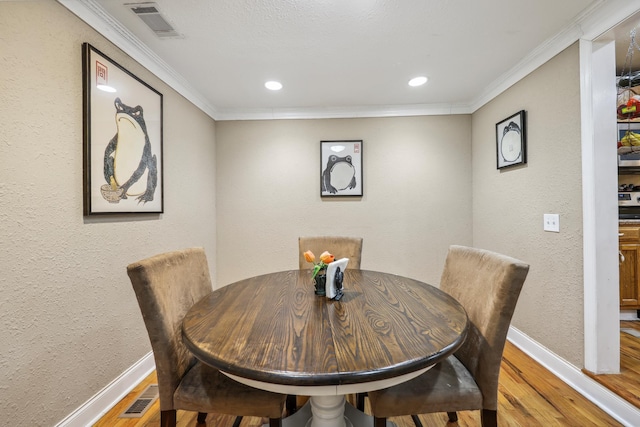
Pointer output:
630, 268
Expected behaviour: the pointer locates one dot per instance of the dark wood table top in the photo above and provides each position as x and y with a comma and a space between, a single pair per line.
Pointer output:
274, 329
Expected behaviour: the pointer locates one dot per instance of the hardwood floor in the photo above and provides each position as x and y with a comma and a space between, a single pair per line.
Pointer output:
529, 396
626, 384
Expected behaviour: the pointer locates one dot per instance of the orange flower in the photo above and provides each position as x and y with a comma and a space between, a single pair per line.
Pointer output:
309, 256
327, 258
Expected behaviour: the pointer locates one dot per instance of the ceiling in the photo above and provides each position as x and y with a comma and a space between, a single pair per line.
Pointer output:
338, 57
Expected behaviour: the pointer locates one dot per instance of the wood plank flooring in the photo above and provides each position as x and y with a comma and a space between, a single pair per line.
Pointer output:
626, 384
529, 396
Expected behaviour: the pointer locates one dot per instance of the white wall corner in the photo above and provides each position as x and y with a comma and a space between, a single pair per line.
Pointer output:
600, 212
93, 409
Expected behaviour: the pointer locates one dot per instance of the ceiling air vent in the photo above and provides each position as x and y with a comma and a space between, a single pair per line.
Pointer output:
150, 15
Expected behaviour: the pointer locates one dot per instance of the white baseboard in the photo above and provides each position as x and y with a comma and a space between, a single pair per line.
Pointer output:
628, 314
93, 409
612, 404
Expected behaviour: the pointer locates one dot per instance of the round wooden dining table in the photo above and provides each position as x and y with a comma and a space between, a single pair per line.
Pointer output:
272, 332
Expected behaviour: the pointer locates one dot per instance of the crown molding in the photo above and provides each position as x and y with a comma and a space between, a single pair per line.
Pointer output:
96, 17
600, 17
594, 21
528, 64
608, 14
342, 112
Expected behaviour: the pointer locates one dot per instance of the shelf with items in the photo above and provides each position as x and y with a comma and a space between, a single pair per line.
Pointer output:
628, 143
628, 108
628, 102
628, 151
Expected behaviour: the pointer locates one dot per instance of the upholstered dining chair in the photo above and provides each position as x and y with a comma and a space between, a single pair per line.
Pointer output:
166, 286
488, 285
341, 247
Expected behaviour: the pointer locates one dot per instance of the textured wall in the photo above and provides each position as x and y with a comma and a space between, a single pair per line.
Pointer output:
70, 322
508, 205
69, 317
417, 193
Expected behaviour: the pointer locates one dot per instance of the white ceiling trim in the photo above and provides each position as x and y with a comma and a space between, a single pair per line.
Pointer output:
600, 17
342, 112
528, 64
95, 16
613, 12
594, 21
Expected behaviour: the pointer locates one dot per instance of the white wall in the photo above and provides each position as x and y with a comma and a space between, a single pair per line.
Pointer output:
417, 193
508, 205
70, 321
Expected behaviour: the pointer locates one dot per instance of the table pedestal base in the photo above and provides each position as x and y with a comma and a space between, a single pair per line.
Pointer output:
329, 411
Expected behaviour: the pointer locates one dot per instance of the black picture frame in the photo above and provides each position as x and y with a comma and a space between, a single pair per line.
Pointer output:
511, 140
123, 139
341, 168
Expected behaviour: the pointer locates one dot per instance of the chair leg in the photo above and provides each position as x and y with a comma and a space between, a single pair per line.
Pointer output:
202, 418
360, 401
453, 416
416, 421
291, 404
379, 422
168, 418
275, 422
489, 418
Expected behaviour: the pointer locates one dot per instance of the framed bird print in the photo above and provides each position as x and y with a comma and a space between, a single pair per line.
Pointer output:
122, 133
511, 138
341, 168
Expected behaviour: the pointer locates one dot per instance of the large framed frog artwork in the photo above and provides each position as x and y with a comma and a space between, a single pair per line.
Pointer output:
341, 168
122, 133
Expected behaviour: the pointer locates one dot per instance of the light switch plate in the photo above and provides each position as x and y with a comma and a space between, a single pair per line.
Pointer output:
552, 222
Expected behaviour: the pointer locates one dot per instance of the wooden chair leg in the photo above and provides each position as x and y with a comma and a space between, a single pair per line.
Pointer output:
453, 416
416, 421
291, 404
168, 418
275, 422
489, 418
360, 401
202, 418
379, 422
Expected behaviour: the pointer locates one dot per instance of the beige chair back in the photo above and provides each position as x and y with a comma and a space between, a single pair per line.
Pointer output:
341, 247
167, 286
487, 284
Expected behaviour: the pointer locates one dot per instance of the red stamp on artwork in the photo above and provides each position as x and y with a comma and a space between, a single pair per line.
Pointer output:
101, 74
356, 148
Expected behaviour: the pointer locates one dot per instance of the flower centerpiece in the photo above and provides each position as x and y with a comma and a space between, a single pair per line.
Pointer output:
319, 269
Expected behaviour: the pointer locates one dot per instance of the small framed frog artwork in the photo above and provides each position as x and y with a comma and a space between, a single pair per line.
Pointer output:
511, 141
341, 168
122, 149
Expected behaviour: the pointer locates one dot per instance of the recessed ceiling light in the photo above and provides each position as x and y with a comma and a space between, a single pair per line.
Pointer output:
417, 81
273, 85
